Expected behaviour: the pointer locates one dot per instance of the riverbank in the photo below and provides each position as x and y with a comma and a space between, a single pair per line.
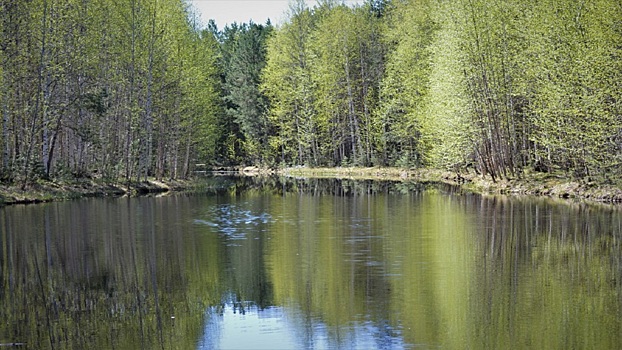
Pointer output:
48, 191
536, 184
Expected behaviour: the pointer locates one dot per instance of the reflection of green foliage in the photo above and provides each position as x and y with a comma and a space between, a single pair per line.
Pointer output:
118, 284
550, 277
459, 271
319, 263
431, 238
452, 271
314, 260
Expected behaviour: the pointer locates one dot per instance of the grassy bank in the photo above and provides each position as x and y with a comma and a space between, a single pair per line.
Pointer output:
537, 184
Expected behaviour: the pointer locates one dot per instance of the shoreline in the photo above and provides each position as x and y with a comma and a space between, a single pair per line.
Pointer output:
533, 184
530, 184
51, 191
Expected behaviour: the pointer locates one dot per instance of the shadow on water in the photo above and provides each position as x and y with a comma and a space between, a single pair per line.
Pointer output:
311, 263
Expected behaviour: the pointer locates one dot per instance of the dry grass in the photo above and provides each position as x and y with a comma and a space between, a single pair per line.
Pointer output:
537, 184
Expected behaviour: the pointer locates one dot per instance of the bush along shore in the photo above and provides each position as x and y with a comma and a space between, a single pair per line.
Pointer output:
529, 183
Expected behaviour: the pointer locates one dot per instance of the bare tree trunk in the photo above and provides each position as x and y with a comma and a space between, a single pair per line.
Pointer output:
175, 160
41, 88
45, 139
355, 133
6, 142
130, 116
186, 169
48, 165
147, 143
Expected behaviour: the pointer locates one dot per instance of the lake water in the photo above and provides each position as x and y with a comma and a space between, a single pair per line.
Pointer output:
311, 264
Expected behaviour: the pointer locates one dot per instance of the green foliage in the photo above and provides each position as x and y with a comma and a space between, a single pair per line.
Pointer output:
405, 84
287, 82
322, 77
446, 132
574, 76
102, 87
347, 72
132, 89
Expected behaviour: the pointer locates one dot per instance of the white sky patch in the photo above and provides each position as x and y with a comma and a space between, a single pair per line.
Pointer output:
226, 12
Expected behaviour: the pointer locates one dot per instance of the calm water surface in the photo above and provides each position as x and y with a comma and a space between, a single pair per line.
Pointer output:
311, 264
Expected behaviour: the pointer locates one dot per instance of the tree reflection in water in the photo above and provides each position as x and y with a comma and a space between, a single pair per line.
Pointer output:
311, 264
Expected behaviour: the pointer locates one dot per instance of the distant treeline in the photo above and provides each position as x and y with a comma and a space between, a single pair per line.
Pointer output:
135, 88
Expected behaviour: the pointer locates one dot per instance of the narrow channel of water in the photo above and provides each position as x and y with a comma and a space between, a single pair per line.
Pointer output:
311, 264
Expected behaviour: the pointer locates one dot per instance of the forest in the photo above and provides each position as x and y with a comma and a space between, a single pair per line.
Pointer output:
123, 90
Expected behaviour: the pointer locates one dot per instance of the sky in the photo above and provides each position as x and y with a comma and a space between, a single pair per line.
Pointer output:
242, 11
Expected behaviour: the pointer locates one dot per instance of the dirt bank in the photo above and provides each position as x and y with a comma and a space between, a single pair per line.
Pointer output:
47, 191
536, 184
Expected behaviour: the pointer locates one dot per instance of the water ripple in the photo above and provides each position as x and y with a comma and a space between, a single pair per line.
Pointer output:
233, 221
